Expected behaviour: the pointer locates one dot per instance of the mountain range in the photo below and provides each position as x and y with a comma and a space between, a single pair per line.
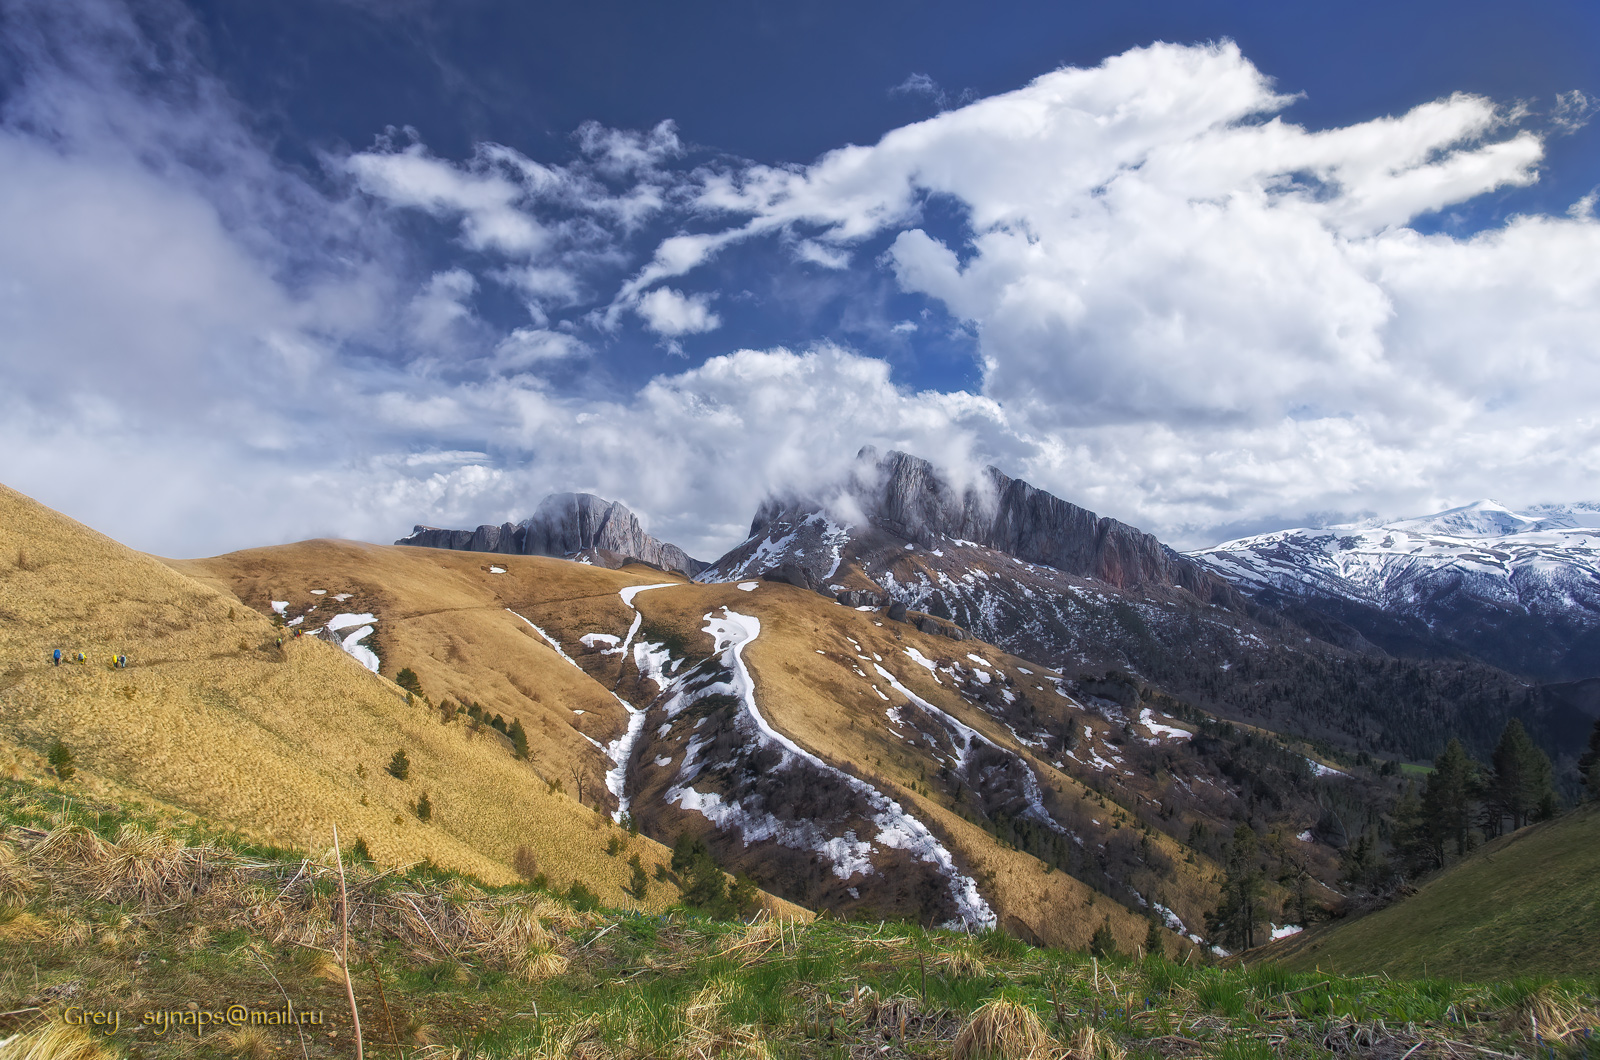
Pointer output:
923, 697
1387, 639
1518, 590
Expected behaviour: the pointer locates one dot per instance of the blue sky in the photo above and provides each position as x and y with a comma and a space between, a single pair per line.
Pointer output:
296, 269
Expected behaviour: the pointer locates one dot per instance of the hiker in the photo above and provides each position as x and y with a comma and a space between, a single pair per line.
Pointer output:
58, 657
81, 659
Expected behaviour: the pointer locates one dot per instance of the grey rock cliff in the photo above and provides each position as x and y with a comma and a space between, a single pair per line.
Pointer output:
906, 496
565, 524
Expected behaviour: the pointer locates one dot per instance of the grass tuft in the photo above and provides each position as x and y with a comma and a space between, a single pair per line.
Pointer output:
54, 1041
1002, 1029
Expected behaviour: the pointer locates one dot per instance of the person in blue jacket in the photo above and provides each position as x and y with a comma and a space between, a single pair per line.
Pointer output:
58, 657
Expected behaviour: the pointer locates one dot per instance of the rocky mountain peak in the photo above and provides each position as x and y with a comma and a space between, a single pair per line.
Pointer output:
566, 524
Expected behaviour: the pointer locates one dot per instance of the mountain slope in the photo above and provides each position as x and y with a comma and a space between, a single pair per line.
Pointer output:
1519, 590
709, 709
212, 718
578, 525
1525, 904
1120, 602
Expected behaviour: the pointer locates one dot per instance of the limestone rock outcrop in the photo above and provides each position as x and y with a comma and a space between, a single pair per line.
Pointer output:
566, 524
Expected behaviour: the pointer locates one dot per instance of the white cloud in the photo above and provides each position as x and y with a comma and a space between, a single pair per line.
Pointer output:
1168, 279
1572, 111
1191, 312
670, 312
529, 346
818, 254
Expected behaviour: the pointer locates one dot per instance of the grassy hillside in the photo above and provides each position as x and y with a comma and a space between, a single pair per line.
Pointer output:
461, 621
212, 719
99, 913
1525, 904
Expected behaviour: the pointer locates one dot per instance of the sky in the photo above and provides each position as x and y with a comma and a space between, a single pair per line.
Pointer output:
279, 269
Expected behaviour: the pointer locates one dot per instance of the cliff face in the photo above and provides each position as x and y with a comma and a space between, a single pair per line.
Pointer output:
563, 525
905, 496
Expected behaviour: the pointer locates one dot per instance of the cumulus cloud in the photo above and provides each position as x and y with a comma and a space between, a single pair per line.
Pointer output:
671, 313
1191, 312
1161, 266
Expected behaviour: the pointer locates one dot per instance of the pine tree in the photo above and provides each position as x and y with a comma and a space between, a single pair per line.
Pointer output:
408, 680
1155, 940
1234, 923
1521, 782
1104, 942
399, 765
639, 885
1414, 846
1589, 764
424, 808
1447, 801
519, 738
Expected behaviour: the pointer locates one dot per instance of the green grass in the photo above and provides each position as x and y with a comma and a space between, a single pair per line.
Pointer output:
674, 986
1526, 904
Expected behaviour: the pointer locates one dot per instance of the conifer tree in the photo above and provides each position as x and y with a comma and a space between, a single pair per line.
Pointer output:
407, 679
1447, 801
519, 738
1520, 786
1155, 940
1589, 764
1234, 923
1104, 941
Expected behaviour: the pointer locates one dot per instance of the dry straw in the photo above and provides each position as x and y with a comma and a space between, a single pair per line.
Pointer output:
54, 1041
1002, 1029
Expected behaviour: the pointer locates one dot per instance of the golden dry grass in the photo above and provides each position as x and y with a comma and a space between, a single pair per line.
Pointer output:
1002, 1029
54, 1041
211, 719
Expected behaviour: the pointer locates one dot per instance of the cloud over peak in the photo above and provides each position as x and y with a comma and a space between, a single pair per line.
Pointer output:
1190, 312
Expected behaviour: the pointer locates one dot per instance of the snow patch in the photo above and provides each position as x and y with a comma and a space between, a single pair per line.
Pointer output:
748, 587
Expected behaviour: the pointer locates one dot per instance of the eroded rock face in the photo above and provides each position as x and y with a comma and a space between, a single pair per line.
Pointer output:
906, 497
565, 524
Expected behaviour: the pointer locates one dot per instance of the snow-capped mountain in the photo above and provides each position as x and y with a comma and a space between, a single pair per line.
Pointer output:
1088, 596
1518, 589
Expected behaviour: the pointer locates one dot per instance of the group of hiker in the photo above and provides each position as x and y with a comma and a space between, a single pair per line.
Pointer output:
116, 662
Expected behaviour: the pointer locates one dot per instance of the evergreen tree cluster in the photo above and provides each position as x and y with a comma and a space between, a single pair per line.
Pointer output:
1464, 801
703, 884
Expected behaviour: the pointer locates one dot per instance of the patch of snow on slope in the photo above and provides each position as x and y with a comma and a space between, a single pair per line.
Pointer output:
280, 606
922, 661
897, 829
496, 570
1148, 719
1286, 930
748, 587
610, 640
548, 639
1318, 769
358, 651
